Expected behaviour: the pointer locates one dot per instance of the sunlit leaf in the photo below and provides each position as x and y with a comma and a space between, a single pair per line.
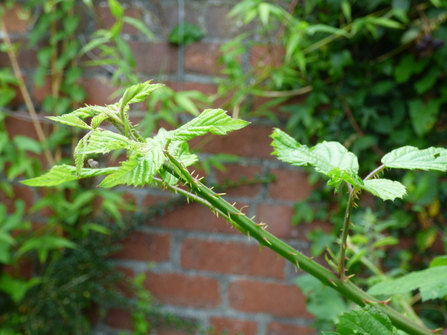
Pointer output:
409, 157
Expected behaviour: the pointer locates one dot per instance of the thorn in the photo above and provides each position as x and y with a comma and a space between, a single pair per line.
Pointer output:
311, 258
293, 253
243, 207
192, 172
265, 239
333, 283
221, 194
265, 227
238, 213
234, 204
211, 188
253, 217
348, 277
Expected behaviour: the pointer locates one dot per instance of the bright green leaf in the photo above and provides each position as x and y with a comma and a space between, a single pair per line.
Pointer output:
431, 283
322, 28
103, 141
439, 261
409, 157
214, 121
70, 120
63, 173
137, 93
385, 189
365, 321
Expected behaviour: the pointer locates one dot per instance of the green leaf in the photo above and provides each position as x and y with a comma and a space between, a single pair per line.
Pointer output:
43, 244
103, 141
140, 26
214, 121
70, 120
438, 261
185, 33
137, 93
411, 158
27, 144
138, 170
423, 116
385, 189
381, 21
316, 28
366, 321
16, 288
63, 173
431, 283
116, 9
323, 302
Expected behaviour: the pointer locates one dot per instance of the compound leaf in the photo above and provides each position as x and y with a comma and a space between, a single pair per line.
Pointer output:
365, 321
103, 141
385, 189
215, 121
63, 173
70, 120
409, 157
431, 283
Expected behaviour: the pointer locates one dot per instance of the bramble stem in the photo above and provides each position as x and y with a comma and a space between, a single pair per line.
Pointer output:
325, 276
373, 173
344, 235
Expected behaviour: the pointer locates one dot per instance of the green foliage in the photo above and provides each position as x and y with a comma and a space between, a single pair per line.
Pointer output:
366, 321
185, 33
430, 282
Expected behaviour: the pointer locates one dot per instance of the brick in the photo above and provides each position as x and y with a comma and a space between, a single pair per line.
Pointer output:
233, 326
40, 92
219, 25
290, 185
119, 318
183, 290
166, 330
276, 299
15, 126
145, 247
154, 58
266, 56
108, 20
125, 285
276, 110
27, 58
279, 221
13, 21
170, 14
231, 258
194, 217
99, 91
251, 141
235, 173
202, 58
276, 328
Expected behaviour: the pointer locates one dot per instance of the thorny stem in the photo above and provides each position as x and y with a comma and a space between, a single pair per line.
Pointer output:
373, 173
325, 276
26, 96
344, 235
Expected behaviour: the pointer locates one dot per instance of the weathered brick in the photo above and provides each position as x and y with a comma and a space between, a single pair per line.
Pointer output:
99, 91
196, 217
251, 141
290, 185
27, 58
170, 14
218, 24
183, 290
16, 126
266, 56
202, 58
24, 193
277, 328
13, 21
235, 173
146, 247
279, 221
276, 299
231, 257
166, 330
119, 318
233, 326
154, 58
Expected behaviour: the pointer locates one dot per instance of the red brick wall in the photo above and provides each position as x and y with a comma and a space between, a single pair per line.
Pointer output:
204, 270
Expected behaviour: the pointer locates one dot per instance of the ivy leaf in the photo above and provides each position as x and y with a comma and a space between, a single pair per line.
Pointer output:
63, 173
385, 189
431, 283
137, 93
409, 157
138, 170
365, 321
103, 141
214, 121
70, 120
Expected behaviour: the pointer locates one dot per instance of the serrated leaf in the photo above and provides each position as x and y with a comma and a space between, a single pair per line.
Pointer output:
325, 156
137, 93
385, 189
431, 282
84, 112
97, 120
138, 170
103, 141
70, 120
409, 157
365, 321
63, 173
215, 121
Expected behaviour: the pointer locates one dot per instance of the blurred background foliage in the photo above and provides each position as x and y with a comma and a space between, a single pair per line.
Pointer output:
368, 74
